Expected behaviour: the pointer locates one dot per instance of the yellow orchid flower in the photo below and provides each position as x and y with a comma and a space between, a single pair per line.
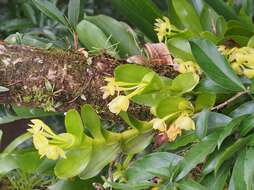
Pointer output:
110, 88
163, 28
187, 66
120, 103
47, 142
184, 122
159, 124
173, 132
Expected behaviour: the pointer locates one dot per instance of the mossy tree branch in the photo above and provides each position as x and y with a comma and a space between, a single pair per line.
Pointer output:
57, 79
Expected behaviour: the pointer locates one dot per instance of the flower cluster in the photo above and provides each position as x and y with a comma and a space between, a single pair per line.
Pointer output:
187, 66
183, 122
241, 59
164, 28
121, 102
47, 142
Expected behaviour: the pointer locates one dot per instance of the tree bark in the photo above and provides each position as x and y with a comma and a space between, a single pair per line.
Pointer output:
75, 78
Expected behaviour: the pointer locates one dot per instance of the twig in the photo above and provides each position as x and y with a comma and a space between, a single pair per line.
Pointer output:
222, 105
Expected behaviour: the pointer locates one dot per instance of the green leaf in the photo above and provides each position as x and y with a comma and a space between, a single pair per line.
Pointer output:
72, 184
50, 10
247, 125
206, 85
180, 48
16, 142
205, 100
102, 155
222, 9
237, 179
251, 42
76, 161
144, 19
92, 37
202, 123
74, 125
219, 181
215, 65
137, 144
119, 33
131, 73
16, 24
28, 10
92, 121
229, 129
3, 89
141, 171
171, 105
190, 185
198, 154
187, 15
245, 108
231, 151
184, 83
249, 167
9, 114
73, 12
181, 141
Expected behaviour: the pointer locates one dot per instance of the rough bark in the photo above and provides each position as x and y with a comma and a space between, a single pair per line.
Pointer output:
76, 80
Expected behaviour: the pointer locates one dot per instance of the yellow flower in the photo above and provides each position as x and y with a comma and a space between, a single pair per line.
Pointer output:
248, 73
163, 28
173, 132
120, 103
159, 124
110, 88
43, 137
184, 122
54, 152
187, 66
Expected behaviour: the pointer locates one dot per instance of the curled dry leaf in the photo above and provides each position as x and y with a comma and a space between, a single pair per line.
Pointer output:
158, 53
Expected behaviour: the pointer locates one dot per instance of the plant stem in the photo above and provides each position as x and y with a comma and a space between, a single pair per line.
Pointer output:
75, 40
222, 105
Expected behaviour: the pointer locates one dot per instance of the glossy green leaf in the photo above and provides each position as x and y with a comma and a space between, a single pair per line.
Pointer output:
73, 12
190, 185
251, 42
231, 151
222, 9
181, 141
92, 121
76, 161
202, 123
198, 154
161, 162
171, 105
180, 48
102, 155
215, 65
237, 179
247, 125
206, 85
119, 33
74, 125
184, 83
218, 181
187, 15
92, 37
28, 10
229, 129
144, 19
16, 142
205, 100
73, 184
49, 9
245, 108
9, 114
249, 168
131, 73
138, 143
